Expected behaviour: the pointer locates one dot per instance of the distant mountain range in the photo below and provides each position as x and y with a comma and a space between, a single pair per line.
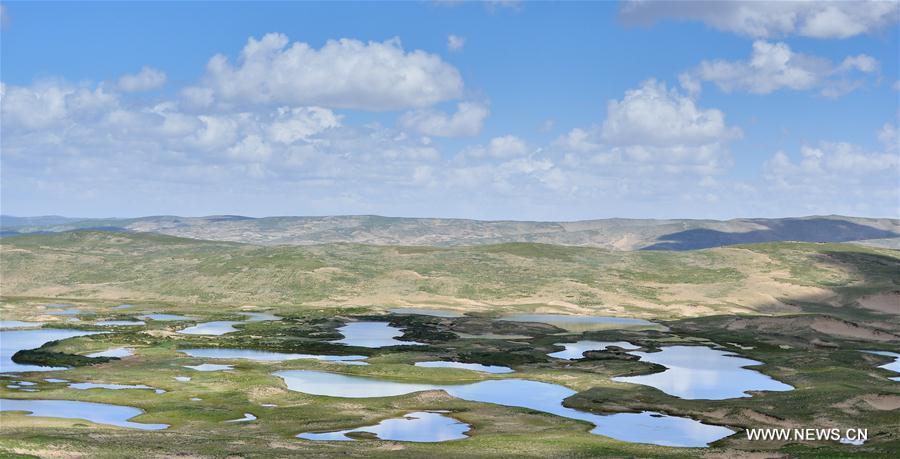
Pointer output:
616, 233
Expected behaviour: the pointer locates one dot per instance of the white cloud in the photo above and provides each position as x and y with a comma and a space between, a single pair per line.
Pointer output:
774, 66
839, 175
342, 74
467, 121
654, 115
148, 78
47, 103
251, 148
455, 43
506, 146
293, 124
771, 19
654, 136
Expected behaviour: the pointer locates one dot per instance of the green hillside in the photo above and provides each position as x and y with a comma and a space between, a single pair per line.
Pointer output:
760, 278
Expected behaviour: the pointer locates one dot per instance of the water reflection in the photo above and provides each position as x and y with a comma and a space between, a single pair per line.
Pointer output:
698, 372
420, 426
222, 327
645, 427
576, 350
163, 317
466, 366
264, 356
120, 323
425, 312
118, 352
19, 324
17, 340
372, 334
99, 413
892, 366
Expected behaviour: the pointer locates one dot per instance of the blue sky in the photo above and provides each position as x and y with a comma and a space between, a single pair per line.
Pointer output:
506, 110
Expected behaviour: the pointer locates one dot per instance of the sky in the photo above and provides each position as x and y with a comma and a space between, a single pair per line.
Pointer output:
486, 110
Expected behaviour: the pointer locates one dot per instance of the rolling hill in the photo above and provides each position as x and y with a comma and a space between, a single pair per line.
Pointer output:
614, 234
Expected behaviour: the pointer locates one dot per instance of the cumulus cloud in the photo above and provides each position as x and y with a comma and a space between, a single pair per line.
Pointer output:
774, 66
653, 132
770, 19
506, 146
455, 43
467, 121
652, 114
148, 78
343, 73
48, 103
840, 174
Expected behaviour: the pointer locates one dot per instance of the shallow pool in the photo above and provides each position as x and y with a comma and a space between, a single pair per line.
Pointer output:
426, 312
576, 350
420, 426
892, 366
372, 334
99, 413
699, 372
163, 317
118, 352
465, 366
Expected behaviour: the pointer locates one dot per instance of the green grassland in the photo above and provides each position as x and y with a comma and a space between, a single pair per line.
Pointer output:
799, 308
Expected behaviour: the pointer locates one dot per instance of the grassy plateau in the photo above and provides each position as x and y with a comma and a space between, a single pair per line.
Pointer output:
805, 310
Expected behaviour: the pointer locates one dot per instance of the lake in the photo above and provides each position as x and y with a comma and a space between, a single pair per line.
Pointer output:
496, 369
163, 317
647, 427
16, 340
419, 426
426, 312
99, 413
372, 334
892, 366
221, 327
576, 350
699, 372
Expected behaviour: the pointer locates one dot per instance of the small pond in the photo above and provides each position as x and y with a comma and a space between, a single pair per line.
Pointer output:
114, 352
99, 413
264, 356
221, 327
65, 312
466, 366
576, 350
420, 426
372, 334
644, 427
892, 366
19, 324
583, 323
426, 312
210, 367
163, 317
699, 372
247, 418
87, 386
17, 340
120, 323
